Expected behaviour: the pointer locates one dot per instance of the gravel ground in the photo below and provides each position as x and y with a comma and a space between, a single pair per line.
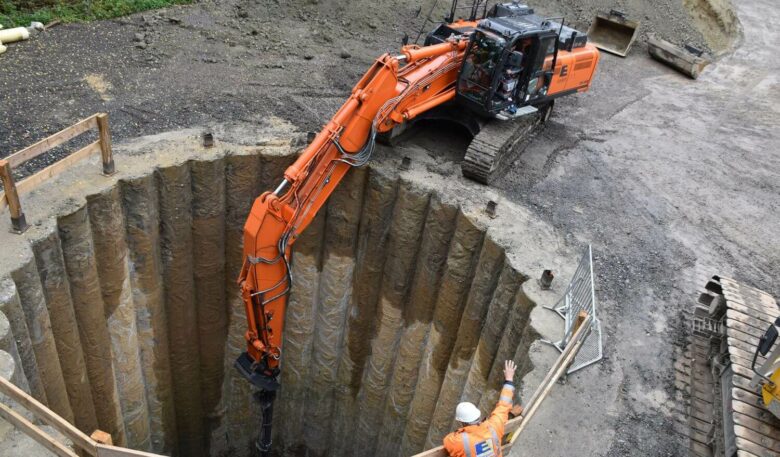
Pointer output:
671, 180
188, 66
237, 60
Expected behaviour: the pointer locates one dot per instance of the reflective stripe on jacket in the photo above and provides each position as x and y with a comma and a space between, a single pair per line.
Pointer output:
483, 440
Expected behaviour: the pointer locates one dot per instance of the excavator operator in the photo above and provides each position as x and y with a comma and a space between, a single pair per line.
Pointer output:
477, 438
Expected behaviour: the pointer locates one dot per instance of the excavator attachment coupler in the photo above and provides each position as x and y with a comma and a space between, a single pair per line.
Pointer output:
613, 32
257, 374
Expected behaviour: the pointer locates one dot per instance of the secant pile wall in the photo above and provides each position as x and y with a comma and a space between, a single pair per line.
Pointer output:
400, 301
125, 314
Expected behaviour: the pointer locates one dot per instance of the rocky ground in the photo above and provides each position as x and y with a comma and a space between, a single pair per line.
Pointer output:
671, 180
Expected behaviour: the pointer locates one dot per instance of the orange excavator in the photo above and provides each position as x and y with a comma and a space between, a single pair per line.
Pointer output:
501, 65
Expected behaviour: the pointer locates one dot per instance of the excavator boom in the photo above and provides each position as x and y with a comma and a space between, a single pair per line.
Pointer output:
395, 89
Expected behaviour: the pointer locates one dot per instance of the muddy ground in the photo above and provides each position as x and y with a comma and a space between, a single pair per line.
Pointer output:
671, 180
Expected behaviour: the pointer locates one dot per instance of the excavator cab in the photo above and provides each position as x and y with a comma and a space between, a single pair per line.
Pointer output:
516, 60
499, 77
508, 64
481, 64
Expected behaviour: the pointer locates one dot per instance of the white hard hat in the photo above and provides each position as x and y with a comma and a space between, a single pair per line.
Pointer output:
467, 413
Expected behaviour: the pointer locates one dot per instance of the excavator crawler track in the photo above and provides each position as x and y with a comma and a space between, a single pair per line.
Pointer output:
718, 411
496, 145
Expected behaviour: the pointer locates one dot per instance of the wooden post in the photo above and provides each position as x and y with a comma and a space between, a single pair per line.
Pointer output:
18, 220
581, 316
105, 144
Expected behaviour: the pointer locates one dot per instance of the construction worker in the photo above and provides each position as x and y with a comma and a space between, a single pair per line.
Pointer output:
477, 438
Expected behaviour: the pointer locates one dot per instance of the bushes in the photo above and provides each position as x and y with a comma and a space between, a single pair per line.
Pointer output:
22, 12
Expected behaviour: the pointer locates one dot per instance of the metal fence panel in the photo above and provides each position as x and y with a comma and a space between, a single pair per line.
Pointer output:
580, 295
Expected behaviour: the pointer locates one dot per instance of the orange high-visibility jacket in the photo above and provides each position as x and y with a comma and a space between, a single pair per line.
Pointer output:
483, 440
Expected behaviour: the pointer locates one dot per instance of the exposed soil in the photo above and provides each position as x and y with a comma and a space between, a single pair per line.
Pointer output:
237, 60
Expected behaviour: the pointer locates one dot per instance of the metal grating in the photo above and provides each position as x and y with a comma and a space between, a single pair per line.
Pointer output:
580, 295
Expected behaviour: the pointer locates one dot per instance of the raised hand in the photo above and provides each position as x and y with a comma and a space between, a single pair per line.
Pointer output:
509, 370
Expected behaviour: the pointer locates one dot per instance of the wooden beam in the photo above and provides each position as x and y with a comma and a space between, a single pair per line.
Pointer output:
104, 450
35, 433
79, 439
105, 144
35, 180
52, 141
515, 426
31, 182
560, 367
75, 435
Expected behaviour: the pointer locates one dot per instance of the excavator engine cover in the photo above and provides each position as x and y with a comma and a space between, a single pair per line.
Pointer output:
613, 32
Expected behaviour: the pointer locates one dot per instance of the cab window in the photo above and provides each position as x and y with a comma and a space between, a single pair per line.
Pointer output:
479, 65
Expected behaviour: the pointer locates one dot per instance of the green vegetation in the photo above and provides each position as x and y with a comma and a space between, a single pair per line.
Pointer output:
22, 12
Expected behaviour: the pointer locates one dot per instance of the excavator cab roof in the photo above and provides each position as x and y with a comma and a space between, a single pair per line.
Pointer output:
513, 19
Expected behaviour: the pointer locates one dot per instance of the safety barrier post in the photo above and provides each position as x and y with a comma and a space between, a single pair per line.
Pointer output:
105, 145
18, 220
12, 189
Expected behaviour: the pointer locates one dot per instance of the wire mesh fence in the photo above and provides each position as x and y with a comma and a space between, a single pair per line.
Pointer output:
580, 296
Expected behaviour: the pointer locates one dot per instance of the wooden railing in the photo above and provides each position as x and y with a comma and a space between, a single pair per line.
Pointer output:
12, 189
97, 445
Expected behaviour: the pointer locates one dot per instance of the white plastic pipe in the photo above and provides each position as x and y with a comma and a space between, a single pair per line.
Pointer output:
15, 34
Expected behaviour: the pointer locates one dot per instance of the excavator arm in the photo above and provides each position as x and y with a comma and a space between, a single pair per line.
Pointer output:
395, 89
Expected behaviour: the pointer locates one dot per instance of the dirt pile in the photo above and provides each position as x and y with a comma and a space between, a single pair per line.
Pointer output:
717, 21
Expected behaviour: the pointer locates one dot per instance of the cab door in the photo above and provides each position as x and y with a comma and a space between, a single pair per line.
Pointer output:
540, 69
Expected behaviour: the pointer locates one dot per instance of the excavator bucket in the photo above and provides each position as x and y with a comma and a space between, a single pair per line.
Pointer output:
613, 32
